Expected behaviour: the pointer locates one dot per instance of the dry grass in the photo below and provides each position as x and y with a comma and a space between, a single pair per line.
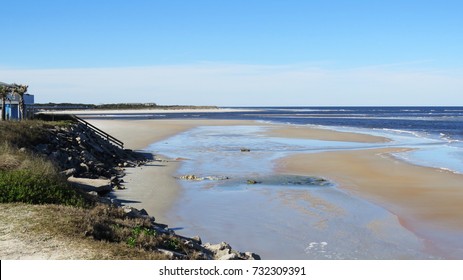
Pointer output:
12, 158
53, 232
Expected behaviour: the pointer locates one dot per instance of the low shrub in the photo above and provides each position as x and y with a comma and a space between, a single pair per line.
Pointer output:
29, 187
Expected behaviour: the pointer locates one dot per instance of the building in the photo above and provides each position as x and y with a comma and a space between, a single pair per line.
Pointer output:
12, 106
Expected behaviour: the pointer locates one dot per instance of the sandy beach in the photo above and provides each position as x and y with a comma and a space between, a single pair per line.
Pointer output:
423, 199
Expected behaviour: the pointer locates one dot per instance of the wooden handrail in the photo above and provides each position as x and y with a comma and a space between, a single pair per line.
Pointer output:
100, 132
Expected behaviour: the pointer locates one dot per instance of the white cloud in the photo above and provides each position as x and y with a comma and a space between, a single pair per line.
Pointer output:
242, 85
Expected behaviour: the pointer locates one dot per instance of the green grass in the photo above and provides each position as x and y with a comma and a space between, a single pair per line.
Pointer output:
34, 188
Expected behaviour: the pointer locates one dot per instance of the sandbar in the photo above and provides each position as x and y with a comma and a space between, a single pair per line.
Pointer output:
428, 201
306, 132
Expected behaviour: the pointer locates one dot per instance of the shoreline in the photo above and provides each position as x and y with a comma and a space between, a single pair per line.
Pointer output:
413, 187
428, 201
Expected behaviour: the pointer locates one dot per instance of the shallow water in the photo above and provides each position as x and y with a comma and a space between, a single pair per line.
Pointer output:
275, 220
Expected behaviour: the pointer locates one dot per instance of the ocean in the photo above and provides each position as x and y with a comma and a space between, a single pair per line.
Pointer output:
440, 122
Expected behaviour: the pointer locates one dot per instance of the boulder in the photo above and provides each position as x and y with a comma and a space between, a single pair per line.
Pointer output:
88, 185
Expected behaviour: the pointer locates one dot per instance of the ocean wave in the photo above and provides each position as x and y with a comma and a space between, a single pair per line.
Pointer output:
311, 110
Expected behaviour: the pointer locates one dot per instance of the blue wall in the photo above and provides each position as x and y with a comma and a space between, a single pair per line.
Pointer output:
12, 111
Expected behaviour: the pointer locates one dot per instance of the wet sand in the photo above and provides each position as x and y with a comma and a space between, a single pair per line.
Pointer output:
428, 201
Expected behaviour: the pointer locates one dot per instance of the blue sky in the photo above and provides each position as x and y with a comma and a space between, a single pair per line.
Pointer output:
227, 53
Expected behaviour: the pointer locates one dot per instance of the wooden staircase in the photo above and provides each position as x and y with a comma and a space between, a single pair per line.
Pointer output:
100, 132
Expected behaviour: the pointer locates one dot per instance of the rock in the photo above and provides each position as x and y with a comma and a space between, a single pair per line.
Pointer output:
218, 250
143, 212
223, 251
88, 185
251, 256
172, 254
131, 212
87, 156
190, 177
163, 226
197, 239
231, 256
84, 167
69, 172
252, 182
129, 164
168, 254
217, 247
94, 193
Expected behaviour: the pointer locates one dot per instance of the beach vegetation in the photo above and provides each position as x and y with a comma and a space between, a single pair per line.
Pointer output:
110, 224
31, 185
59, 230
28, 177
